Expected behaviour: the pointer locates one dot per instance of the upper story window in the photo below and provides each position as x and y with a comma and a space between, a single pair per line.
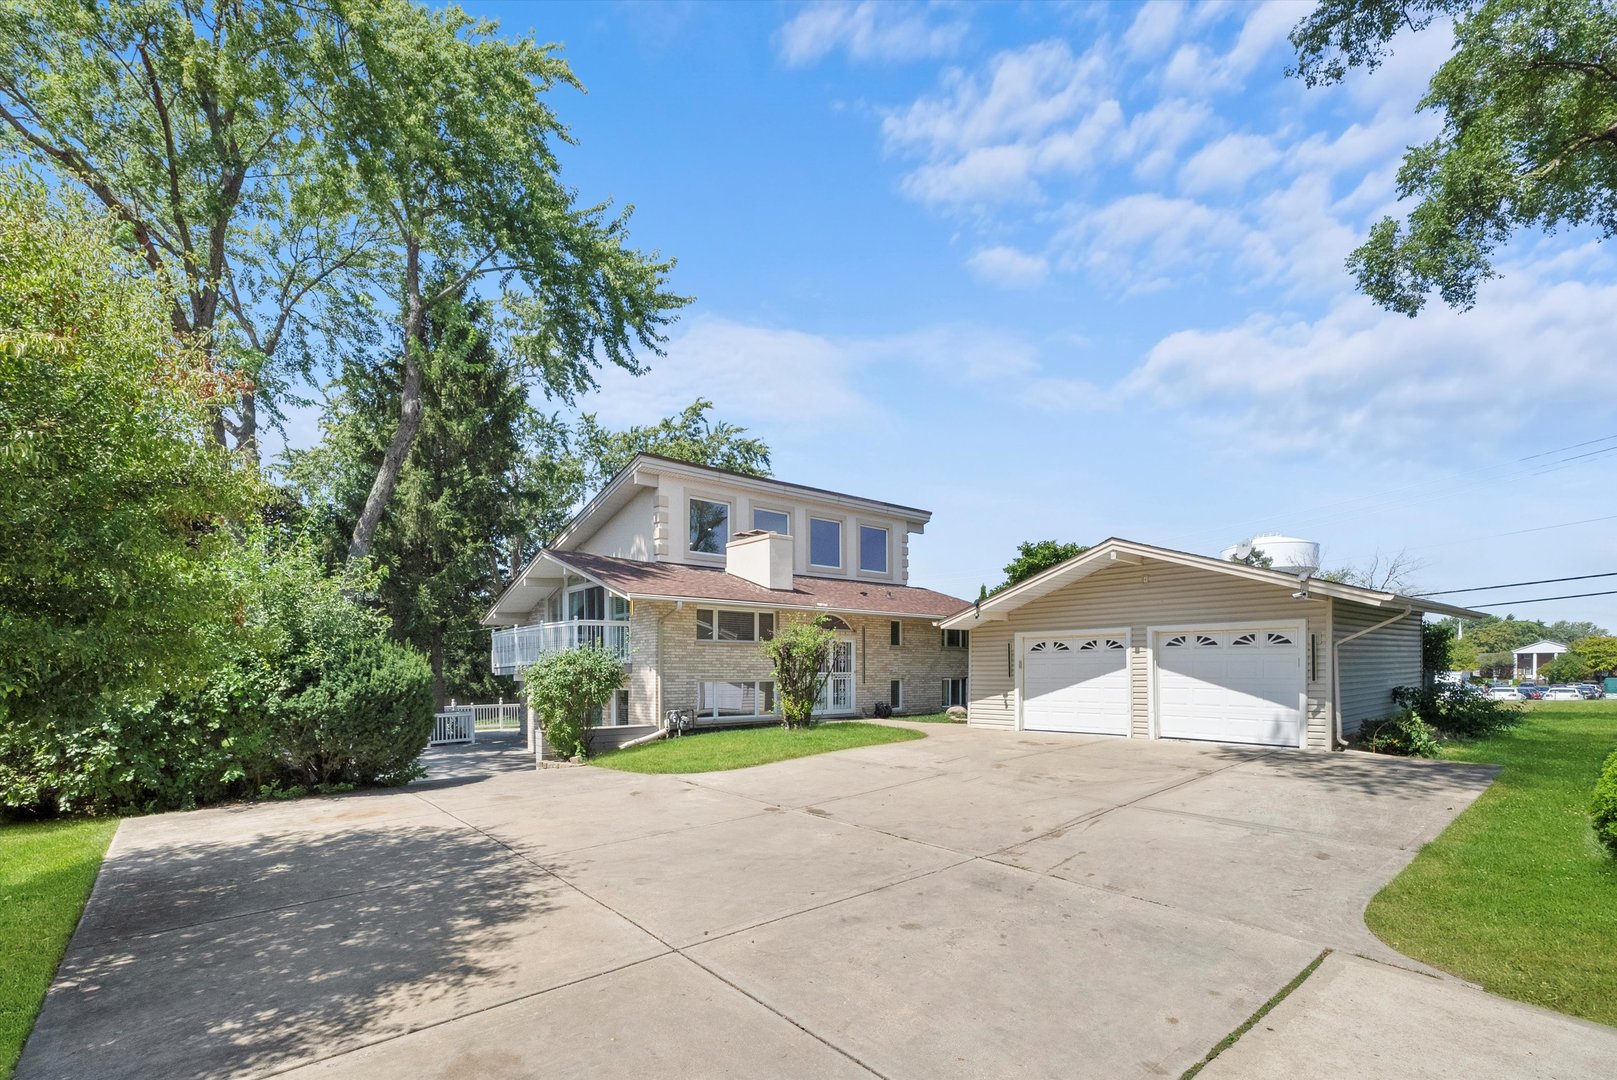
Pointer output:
825, 543
772, 521
872, 549
710, 526
956, 639
715, 624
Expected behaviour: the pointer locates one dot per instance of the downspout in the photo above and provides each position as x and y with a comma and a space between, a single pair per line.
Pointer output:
1337, 742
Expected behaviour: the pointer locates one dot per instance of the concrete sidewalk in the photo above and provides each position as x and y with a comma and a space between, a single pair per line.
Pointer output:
973, 904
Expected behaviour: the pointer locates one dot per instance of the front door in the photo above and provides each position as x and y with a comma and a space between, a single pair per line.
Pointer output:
837, 697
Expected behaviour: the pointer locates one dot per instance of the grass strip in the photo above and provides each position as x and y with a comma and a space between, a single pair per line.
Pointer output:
1280, 995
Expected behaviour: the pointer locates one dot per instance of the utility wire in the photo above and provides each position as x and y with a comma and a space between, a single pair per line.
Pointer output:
1544, 599
1518, 584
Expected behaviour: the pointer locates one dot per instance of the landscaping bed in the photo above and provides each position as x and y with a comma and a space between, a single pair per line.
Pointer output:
1517, 895
739, 748
46, 870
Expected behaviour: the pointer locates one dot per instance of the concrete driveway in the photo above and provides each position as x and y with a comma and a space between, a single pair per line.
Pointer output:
974, 904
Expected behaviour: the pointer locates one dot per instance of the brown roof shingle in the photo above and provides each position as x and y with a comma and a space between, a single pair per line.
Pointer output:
672, 580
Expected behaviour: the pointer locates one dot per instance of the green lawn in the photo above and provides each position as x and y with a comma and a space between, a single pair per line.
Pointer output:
1516, 894
738, 748
46, 871
931, 718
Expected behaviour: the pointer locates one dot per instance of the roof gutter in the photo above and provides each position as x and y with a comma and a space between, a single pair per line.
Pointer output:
1337, 742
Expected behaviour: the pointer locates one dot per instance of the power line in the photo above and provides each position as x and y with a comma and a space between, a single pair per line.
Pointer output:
1574, 446
1544, 599
1518, 584
1516, 532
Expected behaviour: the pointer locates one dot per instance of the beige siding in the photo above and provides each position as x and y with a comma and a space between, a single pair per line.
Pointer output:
627, 534
1137, 598
1372, 665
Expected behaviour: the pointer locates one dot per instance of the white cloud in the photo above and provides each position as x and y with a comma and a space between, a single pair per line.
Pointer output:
1227, 164
1362, 379
1197, 69
1153, 29
1009, 267
869, 32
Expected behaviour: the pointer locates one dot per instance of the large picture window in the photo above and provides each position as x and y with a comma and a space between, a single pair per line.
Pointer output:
716, 624
772, 521
872, 549
710, 526
825, 542
956, 639
730, 700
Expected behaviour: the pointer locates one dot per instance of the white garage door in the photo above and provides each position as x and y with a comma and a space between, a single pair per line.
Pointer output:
1077, 682
1242, 686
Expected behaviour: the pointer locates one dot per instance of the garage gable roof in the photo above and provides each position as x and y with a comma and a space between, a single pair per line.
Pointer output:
1118, 552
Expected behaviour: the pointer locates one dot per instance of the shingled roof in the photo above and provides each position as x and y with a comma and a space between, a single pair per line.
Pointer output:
673, 581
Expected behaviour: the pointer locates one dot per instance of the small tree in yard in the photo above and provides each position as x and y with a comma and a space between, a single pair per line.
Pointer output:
567, 690
801, 654
1566, 668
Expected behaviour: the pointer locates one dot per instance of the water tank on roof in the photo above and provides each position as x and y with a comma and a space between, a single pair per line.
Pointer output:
1286, 553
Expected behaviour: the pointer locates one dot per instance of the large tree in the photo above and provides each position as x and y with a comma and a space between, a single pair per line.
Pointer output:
112, 512
449, 130
1037, 556
1528, 100
198, 123
690, 436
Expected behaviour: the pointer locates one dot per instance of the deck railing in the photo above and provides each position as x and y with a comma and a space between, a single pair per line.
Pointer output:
517, 647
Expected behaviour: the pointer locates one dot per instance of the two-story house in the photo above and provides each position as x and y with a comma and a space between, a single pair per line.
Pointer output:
683, 571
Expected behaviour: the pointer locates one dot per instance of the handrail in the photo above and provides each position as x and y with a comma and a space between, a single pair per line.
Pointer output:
515, 648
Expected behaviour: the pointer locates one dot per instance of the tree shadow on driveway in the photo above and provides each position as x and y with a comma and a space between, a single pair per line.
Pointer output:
243, 955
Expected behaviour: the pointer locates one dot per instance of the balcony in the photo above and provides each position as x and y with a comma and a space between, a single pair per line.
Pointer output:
517, 647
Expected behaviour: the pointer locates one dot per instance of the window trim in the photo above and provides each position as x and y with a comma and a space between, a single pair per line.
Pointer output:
729, 525
886, 550
758, 695
841, 555
787, 514
756, 615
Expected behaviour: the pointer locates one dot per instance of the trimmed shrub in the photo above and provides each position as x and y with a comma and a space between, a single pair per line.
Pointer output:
365, 721
1457, 711
800, 655
1403, 733
568, 690
1603, 811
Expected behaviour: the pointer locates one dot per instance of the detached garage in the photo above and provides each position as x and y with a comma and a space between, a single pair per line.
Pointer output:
1150, 643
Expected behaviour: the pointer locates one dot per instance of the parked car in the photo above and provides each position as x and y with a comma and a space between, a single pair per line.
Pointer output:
1531, 691
1591, 690
1563, 693
1505, 693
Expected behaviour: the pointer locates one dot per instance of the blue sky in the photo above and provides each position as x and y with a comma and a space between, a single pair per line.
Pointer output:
1076, 271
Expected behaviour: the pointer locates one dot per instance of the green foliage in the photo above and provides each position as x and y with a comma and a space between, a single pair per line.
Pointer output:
1035, 557
1569, 667
1599, 650
690, 436
1457, 711
1463, 653
742, 748
112, 515
801, 655
568, 690
364, 720
1526, 102
1603, 810
1403, 733
1436, 648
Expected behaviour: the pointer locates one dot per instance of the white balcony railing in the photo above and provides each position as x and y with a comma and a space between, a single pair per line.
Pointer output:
517, 647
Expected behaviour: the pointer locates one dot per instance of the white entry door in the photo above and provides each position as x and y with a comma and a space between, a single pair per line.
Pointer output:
1077, 682
1241, 686
837, 696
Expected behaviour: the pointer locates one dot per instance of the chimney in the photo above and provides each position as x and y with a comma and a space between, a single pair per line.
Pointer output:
763, 558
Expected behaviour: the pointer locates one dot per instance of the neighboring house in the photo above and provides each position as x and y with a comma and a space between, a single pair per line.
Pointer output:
683, 570
1529, 658
1129, 639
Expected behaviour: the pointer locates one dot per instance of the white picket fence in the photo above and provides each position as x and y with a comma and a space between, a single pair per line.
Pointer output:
461, 723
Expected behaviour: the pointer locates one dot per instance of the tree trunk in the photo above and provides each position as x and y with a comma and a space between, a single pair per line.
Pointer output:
398, 449
247, 434
435, 656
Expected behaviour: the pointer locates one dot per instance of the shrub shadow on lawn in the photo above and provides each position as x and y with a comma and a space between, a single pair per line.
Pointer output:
242, 956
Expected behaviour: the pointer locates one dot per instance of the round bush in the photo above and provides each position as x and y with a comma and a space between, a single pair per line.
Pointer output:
1604, 808
365, 721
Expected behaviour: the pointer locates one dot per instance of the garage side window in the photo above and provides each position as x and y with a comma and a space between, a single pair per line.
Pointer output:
954, 692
